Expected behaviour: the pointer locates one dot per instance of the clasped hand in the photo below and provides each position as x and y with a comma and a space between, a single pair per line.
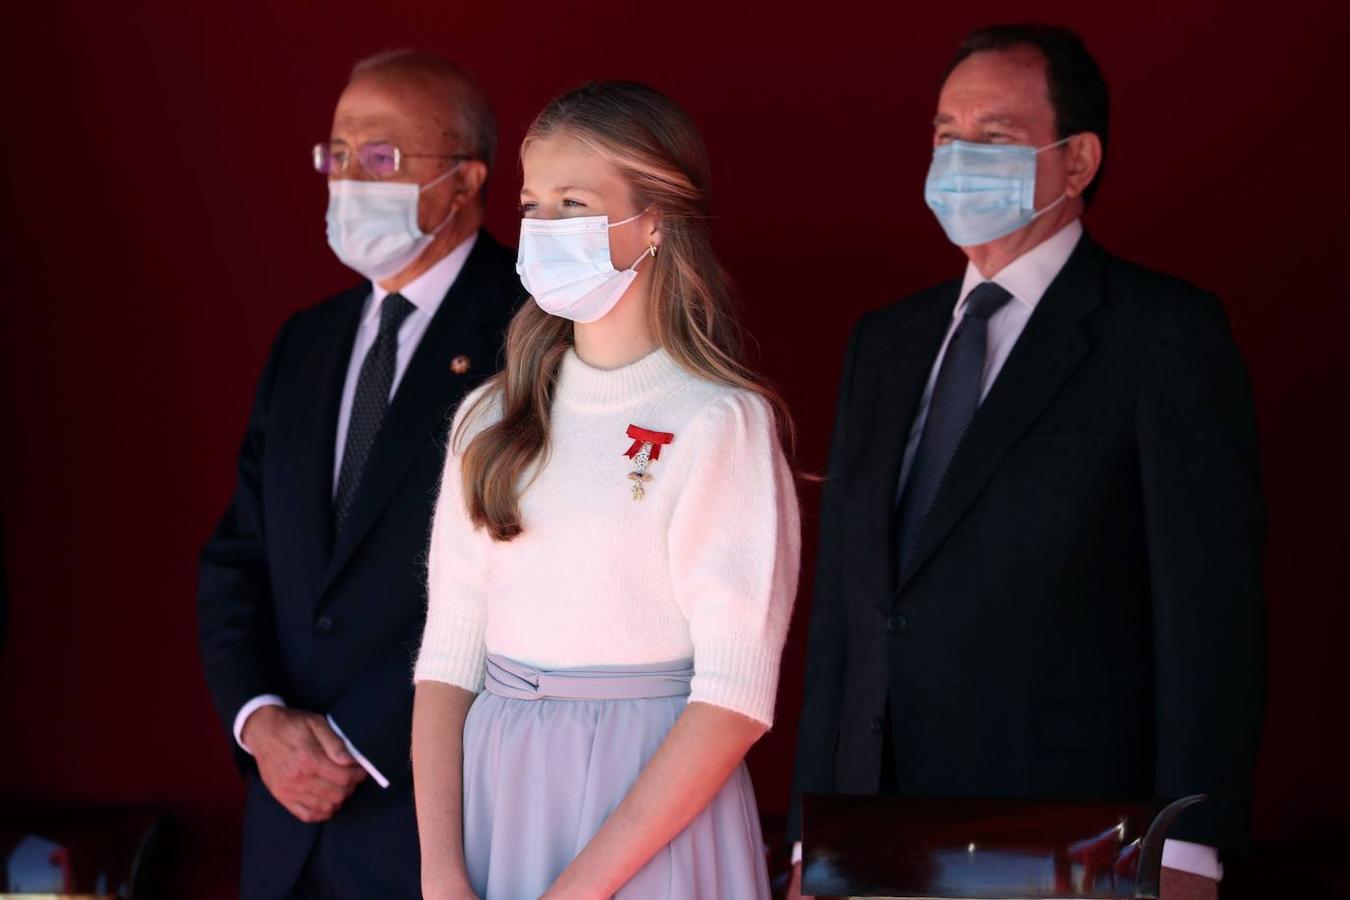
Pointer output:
302, 761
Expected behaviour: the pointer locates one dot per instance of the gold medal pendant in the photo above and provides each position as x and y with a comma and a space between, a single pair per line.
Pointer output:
639, 475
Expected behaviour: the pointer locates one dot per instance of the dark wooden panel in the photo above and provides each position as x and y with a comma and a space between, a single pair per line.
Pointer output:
875, 846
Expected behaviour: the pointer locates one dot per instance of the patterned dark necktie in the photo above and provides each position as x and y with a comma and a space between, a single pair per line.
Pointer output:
369, 403
956, 396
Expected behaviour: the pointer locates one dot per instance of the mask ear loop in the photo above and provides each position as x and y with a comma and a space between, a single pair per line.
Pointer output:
1040, 150
1062, 197
650, 251
1049, 206
632, 218
431, 184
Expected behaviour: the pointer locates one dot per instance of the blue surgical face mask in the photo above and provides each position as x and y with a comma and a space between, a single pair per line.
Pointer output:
372, 225
566, 266
982, 192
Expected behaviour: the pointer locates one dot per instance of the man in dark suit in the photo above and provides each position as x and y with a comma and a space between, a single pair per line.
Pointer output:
311, 591
1042, 525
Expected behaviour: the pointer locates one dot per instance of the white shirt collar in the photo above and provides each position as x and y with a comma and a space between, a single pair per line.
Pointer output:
1028, 276
427, 290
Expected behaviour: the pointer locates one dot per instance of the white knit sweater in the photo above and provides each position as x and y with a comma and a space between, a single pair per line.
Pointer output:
704, 565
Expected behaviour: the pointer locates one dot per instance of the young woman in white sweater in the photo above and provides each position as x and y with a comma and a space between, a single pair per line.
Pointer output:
615, 547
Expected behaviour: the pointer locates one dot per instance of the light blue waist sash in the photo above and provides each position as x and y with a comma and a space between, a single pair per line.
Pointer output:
516, 680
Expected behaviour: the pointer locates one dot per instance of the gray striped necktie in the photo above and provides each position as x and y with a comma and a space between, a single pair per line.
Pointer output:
369, 403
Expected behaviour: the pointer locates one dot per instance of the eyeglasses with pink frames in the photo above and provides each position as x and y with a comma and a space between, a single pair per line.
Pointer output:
380, 158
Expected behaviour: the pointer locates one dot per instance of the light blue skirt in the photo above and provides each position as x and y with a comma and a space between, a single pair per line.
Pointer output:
548, 755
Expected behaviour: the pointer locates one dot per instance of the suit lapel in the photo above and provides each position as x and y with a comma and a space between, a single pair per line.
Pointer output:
895, 392
1051, 347
419, 413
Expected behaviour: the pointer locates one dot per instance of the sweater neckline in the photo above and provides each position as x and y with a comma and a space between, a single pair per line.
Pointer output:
583, 385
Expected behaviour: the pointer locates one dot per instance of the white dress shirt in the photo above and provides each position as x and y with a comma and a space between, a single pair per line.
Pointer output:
1027, 278
425, 293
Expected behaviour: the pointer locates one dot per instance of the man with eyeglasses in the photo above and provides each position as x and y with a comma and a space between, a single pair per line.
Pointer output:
311, 591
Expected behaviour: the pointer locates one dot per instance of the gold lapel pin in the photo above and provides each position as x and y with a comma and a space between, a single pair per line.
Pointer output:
460, 364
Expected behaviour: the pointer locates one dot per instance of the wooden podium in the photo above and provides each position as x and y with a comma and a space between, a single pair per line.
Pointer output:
971, 849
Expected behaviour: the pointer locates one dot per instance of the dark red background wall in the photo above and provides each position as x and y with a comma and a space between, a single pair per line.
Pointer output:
161, 221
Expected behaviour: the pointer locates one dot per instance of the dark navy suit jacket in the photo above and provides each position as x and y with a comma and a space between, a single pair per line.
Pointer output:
1082, 615
332, 622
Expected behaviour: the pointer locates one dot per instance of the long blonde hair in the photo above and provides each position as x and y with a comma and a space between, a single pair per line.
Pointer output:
654, 145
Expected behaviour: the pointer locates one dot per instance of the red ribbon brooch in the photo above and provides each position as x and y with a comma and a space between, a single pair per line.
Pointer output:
646, 450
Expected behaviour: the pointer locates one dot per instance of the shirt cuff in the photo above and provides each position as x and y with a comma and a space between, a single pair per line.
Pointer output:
249, 709
1198, 859
356, 755
796, 852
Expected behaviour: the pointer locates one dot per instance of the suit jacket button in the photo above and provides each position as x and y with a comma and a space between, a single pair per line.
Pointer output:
875, 726
897, 623
323, 624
